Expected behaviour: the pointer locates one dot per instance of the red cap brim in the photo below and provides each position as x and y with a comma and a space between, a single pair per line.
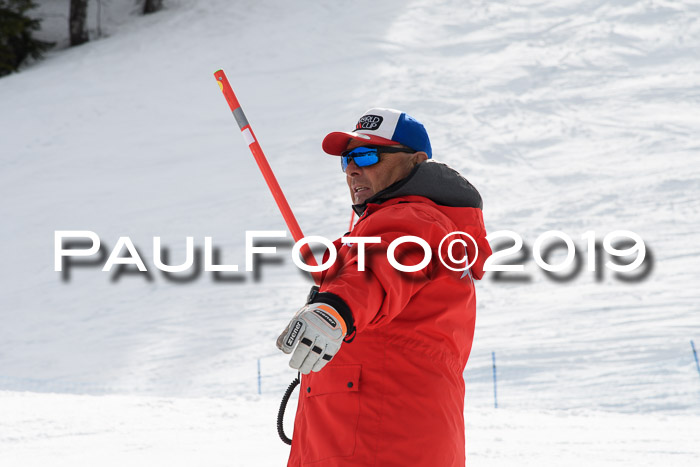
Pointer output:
336, 142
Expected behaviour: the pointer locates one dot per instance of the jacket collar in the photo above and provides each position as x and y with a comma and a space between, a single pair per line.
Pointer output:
433, 180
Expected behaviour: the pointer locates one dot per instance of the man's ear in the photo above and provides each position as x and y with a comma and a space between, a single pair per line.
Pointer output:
419, 157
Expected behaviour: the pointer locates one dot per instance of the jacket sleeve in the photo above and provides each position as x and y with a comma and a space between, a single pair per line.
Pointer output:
377, 295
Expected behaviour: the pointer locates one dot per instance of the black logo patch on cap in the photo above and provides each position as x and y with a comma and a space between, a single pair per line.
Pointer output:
369, 122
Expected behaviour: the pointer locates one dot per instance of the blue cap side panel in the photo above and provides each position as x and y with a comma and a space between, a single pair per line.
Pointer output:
410, 132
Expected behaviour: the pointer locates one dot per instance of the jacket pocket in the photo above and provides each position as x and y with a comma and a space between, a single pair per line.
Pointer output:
332, 410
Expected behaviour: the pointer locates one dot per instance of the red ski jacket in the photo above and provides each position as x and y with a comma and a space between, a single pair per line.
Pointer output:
394, 396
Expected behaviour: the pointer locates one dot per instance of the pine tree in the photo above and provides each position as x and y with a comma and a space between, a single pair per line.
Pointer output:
16, 41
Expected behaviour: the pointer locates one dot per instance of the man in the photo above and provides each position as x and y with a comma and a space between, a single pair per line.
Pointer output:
383, 351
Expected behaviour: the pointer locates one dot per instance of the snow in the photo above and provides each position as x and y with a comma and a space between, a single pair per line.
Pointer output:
114, 430
574, 116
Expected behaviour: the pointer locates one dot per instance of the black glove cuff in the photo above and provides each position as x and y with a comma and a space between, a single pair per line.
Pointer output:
341, 307
312, 294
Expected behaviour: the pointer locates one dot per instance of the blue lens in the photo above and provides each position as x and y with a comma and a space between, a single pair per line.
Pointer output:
362, 156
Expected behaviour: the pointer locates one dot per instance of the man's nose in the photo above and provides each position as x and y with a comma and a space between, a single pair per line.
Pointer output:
352, 169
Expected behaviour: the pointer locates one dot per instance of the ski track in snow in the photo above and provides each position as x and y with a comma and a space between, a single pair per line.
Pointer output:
572, 116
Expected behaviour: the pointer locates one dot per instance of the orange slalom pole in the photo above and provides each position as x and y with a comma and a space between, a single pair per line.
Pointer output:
352, 221
266, 170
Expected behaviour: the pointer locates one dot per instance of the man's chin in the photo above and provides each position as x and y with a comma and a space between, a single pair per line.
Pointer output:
362, 196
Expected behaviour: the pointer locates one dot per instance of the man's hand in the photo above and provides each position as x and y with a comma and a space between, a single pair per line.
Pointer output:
319, 330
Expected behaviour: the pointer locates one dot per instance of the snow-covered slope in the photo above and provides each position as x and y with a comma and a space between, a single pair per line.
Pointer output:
115, 430
571, 116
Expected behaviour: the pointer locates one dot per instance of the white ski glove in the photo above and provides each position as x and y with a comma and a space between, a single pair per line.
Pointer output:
319, 330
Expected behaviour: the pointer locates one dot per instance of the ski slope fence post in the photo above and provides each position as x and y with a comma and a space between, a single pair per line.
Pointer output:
695, 354
266, 170
259, 379
495, 395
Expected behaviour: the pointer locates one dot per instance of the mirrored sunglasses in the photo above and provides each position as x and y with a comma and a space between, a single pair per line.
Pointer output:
365, 156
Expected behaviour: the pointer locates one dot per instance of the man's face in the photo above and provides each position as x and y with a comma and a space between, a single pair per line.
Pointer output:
365, 182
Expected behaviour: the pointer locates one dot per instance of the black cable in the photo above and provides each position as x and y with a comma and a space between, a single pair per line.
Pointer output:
283, 407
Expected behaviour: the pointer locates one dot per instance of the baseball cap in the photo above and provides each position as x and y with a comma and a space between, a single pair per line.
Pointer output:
382, 127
